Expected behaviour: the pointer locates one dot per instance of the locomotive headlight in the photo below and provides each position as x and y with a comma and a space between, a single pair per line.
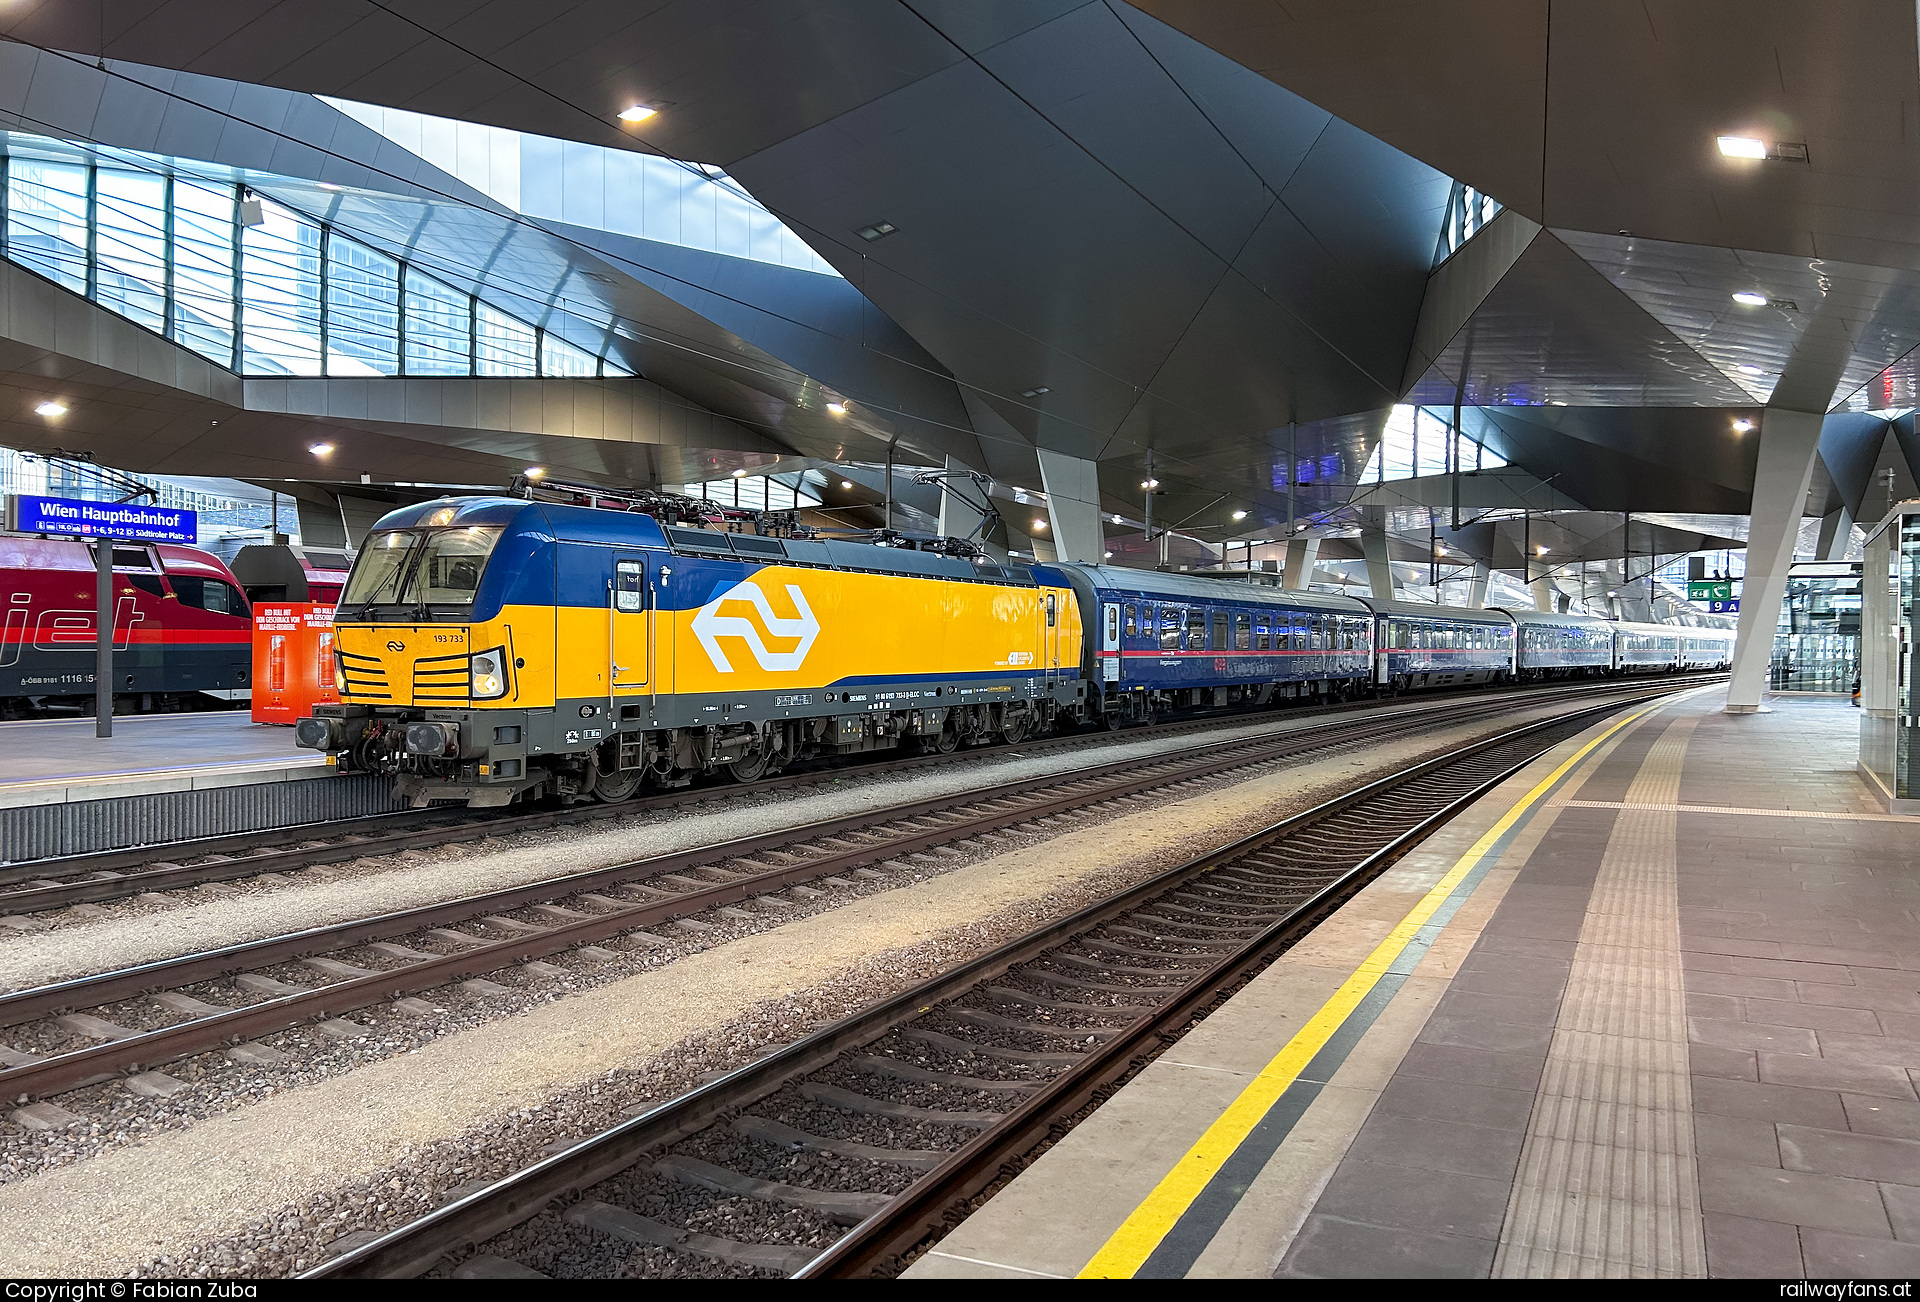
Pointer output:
489, 674
339, 674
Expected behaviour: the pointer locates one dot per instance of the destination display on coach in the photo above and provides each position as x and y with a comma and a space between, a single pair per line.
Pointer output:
135, 521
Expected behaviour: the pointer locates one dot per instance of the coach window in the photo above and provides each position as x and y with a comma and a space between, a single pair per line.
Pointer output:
1132, 617
147, 583
1219, 639
1261, 634
215, 595
1171, 618
1196, 630
1243, 632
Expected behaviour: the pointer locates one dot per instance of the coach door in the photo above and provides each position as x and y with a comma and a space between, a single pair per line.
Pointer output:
1052, 647
1110, 642
630, 646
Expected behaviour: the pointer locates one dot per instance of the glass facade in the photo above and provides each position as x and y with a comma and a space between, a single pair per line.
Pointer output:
261, 291
791, 492
1415, 442
1468, 211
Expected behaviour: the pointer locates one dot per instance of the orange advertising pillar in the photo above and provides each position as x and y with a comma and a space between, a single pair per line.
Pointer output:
292, 660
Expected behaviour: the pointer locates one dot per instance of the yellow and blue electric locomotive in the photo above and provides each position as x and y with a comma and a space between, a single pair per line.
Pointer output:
494, 648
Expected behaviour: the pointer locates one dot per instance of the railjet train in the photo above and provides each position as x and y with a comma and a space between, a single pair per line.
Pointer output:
493, 648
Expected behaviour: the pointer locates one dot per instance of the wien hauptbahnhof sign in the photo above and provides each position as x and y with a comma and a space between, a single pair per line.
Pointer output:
137, 521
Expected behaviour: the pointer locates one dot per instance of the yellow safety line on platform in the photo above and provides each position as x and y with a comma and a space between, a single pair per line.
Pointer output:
1127, 1250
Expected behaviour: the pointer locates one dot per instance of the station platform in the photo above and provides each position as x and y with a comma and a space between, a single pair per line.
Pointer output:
162, 777
1650, 1009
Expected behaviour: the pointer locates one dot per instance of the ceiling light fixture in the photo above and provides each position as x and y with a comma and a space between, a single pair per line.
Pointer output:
52, 409
1239, 515
1149, 484
1750, 298
1743, 425
1040, 524
879, 230
837, 408
1036, 391
1108, 555
534, 472
1742, 147
846, 483
320, 449
1539, 551
638, 113
740, 474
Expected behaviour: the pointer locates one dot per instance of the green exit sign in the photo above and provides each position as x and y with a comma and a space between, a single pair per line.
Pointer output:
1710, 589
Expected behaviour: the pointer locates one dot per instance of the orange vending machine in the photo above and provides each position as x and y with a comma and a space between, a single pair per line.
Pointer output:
292, 660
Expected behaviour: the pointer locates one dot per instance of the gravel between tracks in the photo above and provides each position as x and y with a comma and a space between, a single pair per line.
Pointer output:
75, 943
382, 1143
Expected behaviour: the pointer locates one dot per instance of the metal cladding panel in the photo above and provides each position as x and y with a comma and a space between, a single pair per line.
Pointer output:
83, 826
1541, 618
1150, 585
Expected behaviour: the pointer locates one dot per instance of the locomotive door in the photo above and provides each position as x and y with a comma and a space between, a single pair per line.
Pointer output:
1051, 651
630, 644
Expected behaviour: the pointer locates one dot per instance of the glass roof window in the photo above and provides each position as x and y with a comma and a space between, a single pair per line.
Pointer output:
266, 291
1468, 212
1415, 443
791, 492
693, 206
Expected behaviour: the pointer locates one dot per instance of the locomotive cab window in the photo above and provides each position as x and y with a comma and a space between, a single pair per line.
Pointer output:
629, 586
215, 595
436, 567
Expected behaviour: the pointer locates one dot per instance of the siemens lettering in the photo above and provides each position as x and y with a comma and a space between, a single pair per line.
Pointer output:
132, 520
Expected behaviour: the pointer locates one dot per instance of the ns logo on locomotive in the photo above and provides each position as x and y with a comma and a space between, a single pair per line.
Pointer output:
490, 649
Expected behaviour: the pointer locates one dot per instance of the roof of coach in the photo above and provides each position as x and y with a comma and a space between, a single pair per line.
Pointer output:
1195, 587
1658, 630
1421, 610
1553, 620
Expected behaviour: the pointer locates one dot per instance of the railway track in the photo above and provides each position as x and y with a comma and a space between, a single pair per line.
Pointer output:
843, 1153
40, 886
133, 1020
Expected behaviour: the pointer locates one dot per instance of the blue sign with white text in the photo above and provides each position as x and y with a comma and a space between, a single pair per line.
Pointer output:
1731, 606
137, 521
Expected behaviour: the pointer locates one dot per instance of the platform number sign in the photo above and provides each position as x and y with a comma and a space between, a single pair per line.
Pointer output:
1731, 606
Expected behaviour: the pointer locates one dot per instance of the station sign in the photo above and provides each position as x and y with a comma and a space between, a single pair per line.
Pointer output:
1710, 589
1731, 606
135, 521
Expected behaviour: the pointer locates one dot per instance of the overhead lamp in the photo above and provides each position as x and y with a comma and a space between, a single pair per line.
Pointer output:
320, 449
1039, 524
846, 483
52, 408
1749, 370
837, 408
1743, 425
1036, 391
1742, 147
1239, 515
1750, 298
1118, 520
878, 230
534, 472
740, 474
1539, 551
637, 113
1149, 483
1107, 555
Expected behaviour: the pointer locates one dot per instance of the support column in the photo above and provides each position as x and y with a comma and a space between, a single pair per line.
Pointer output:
1788, 442
1477, 591
958, 517
1373, 545
1542, 588
1836, 532
1072, 486
1302, 555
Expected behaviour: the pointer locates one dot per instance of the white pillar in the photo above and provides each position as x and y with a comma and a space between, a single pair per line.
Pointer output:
1836, 534
957, 517
1542, 588
1373, 545
1072, 485
1477, 591
1302, 555
1788, 443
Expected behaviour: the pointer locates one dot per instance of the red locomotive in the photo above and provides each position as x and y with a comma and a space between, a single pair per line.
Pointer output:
182, 628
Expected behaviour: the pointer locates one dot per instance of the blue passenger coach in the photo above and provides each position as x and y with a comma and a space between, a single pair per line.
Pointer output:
1169, 641
1553, 645
1418, 646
